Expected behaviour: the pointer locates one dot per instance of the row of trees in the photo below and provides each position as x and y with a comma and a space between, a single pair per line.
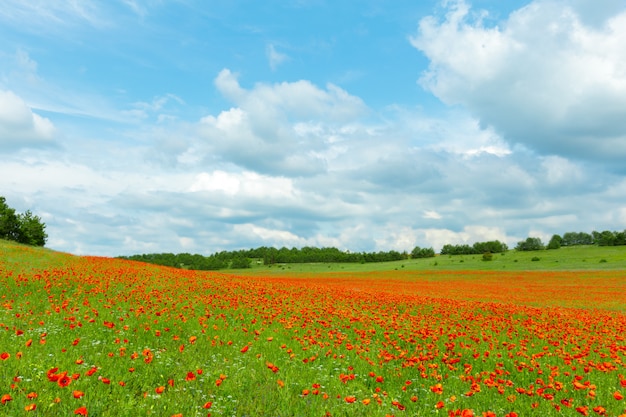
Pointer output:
605, 238
21, 227
309, 254
492, 246
268, 255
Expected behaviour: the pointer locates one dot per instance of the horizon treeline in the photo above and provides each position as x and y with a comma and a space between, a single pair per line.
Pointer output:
267, 256
308, 254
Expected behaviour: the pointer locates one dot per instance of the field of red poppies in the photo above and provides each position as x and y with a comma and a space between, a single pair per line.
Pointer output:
106, 337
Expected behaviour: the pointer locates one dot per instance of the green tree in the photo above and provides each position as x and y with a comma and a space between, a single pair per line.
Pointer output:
240, 262
23, 228
531, 243
555, 242
9, 222
418, 252
32, 229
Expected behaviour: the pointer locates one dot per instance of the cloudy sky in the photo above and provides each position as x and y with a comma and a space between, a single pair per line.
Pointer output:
135, 126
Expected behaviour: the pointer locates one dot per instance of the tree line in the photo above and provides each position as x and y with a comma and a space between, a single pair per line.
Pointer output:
492, 246
23, 228
604, 238
267, 256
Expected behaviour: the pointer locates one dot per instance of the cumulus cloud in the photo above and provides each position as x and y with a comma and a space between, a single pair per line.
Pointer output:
273, 129
545, 77
20, 127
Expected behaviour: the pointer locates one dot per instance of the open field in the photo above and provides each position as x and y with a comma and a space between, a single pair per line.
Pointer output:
106, 337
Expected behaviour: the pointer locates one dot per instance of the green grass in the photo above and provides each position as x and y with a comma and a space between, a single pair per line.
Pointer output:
563, 259
367, 345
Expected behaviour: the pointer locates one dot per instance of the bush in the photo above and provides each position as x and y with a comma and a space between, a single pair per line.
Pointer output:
487, 256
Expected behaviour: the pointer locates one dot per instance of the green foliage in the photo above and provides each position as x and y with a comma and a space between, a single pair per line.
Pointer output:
531, 243
555, 242
493, 246
418, 252
609, 238
576, 238
22, 228
240, 262
487, 256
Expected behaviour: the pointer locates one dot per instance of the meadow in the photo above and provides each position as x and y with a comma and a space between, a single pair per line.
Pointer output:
107, 337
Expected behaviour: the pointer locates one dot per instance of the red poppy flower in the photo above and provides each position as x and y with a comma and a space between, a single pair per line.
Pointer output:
4, 356
5, 398
81, 411
64, 380
78, 394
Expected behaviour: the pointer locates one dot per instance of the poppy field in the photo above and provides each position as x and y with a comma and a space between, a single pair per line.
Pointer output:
107, 337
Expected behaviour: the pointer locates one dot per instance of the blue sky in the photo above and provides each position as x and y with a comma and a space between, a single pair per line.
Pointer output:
192, 126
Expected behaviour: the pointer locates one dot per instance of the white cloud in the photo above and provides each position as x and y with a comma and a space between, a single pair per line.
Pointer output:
20, 127
542, 78
279, 129
431, 214
246, 184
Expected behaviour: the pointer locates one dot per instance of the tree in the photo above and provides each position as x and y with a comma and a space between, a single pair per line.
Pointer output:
555, 242
23, 228
531, 243
606, 238
9, 222
240, 262
32, 229
418, 252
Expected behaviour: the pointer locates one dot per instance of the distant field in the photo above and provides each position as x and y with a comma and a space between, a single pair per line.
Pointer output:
563, 259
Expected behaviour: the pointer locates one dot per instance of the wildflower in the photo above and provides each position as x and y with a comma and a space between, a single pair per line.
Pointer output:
78, 394
5, 398
437, 389
81, 411
64, 380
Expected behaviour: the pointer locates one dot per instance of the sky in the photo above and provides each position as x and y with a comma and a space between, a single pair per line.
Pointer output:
199, 126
